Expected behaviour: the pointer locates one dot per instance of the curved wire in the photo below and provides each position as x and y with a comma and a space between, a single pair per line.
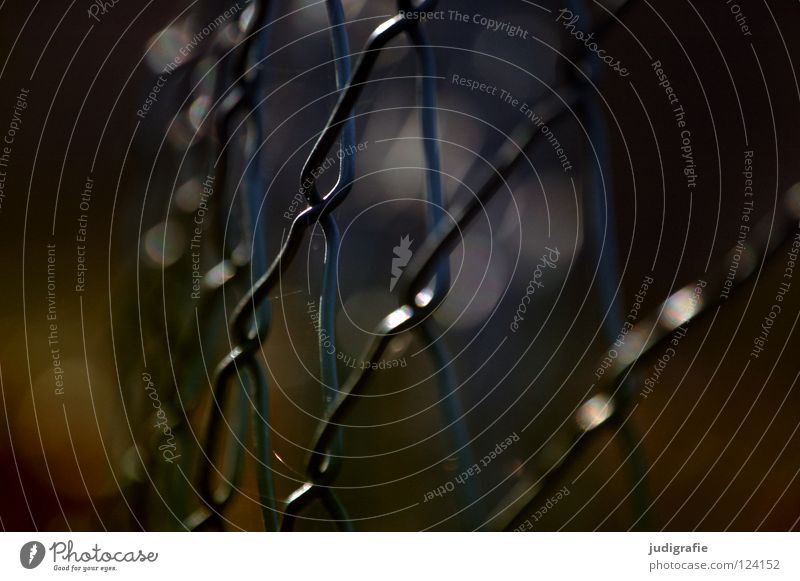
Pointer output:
429, 331
323, 473
327, 301
658, 327
242, 361
427, 265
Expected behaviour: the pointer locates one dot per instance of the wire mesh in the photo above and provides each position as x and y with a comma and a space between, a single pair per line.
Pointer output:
424, 285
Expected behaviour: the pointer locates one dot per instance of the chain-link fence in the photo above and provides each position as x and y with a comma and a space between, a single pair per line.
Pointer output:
237, 101
390, 272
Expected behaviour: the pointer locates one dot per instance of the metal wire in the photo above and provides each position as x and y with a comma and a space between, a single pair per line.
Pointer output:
428, 264
241, 362
598, 196
236, 92
318, 484
768, 236
422, 289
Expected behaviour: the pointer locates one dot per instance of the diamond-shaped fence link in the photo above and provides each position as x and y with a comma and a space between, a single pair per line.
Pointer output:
239, 380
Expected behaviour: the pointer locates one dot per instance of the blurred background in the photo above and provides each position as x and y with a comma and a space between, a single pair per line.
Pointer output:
108, 356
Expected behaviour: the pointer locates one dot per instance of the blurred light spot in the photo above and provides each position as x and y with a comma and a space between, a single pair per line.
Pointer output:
679, 308
164, 244
247, 17
398, 317
199, 111
166, 45
423, 298
793, 200
219, 275
594, 412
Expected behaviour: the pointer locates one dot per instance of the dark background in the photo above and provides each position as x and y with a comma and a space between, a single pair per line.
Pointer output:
721, 446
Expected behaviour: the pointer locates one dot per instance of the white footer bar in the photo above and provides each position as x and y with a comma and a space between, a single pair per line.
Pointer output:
401, 556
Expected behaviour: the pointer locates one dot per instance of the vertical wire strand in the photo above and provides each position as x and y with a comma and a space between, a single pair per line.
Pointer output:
599, 198
323, 468
319, 208
241, 363
255, 190
327, 301
449, 395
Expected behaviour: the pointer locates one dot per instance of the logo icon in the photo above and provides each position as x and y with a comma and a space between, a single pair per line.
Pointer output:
402, 256
31, 554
